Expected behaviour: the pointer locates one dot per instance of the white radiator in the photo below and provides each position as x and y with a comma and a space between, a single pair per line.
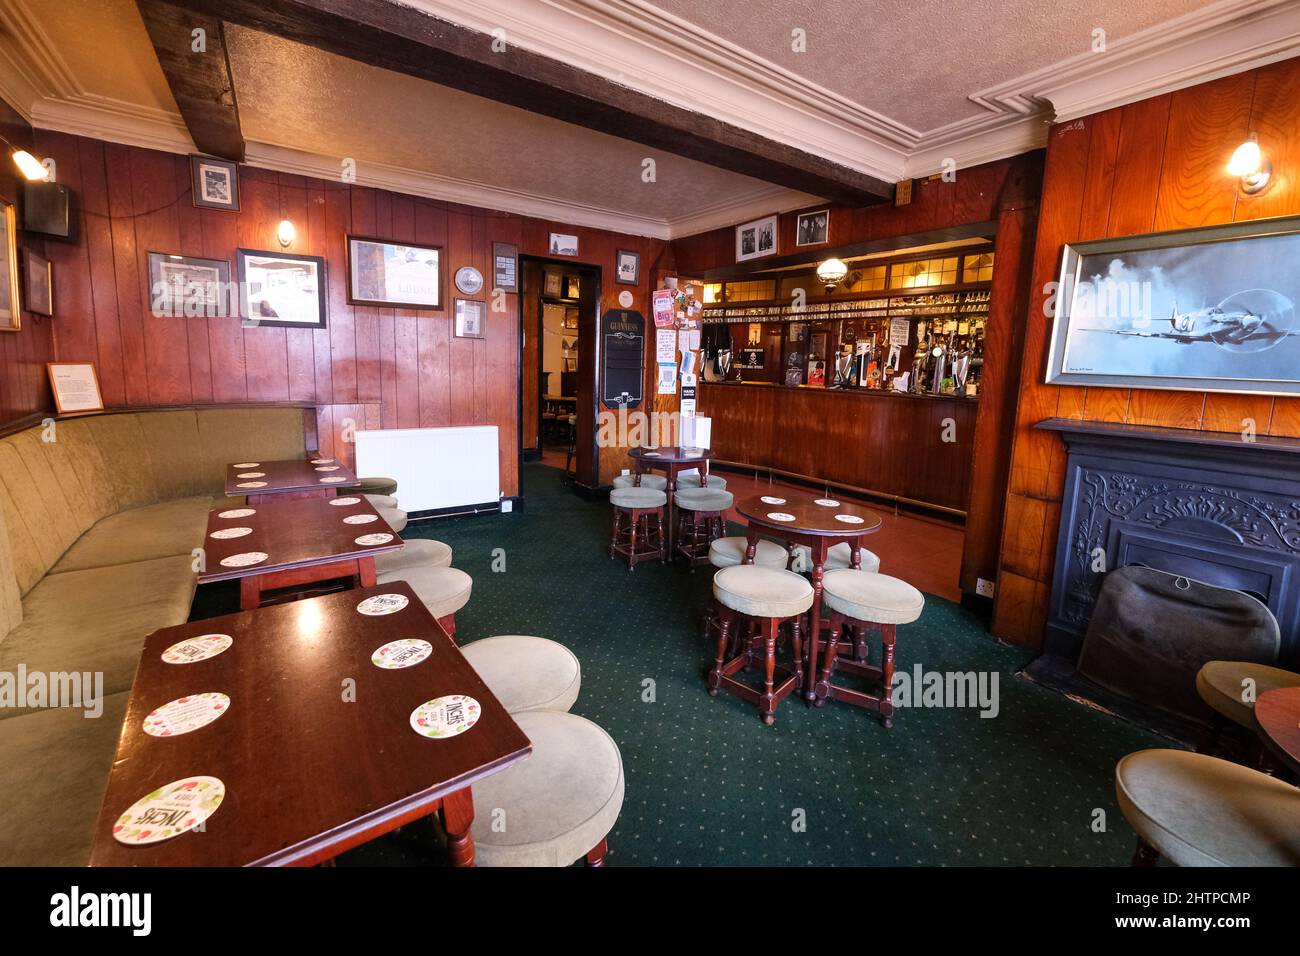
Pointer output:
434, 468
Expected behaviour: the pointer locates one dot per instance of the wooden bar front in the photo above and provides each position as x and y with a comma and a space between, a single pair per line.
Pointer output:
887, 443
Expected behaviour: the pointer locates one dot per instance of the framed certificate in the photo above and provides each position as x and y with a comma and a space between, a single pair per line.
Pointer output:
75, 387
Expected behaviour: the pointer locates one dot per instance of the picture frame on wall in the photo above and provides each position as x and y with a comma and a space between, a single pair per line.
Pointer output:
189, 287
627, 267
572, 287
215, 183
11, 314
75, 387
563, 244
395, 275
505, 267
812, 228
38, 283
553, 283
471, 319
282, 290
756, 239
1211, 309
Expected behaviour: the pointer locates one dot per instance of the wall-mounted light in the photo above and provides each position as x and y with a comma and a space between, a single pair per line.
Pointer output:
1251, 166
31, 167
832, 273
286, 233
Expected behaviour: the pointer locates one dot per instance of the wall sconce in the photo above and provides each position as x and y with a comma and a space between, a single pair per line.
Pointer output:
832, 273
31, 167
1251, 166
286, 233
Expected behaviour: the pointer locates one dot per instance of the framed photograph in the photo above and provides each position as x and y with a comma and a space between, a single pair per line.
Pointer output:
280, 289
394, 274
216, 183
627, 267
75, 386
553, 280
1209, 309
570, 319
572, 287
756, 239
471, 316
189, 287
505, 267
812, 228
563, 245
38, 284
11, 316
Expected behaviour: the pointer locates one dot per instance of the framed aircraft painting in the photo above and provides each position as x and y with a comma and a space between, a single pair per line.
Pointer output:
1210, 309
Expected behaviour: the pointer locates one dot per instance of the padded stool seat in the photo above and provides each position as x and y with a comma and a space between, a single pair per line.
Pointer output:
703, 499
526, 673
378, 486
419, 552
658, 482
395, 517
637, 498
871, 596
729, 552
1220, 684
1202, 811
381, 501
558, 805
838, 556
444, 591
693, 481
762, 591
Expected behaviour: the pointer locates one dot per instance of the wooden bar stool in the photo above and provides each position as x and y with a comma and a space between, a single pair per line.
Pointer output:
701, 520
730, 552
633, 536
864, 599
770, 597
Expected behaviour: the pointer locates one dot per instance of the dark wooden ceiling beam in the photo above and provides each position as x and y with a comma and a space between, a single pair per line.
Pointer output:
201, 81
405, 40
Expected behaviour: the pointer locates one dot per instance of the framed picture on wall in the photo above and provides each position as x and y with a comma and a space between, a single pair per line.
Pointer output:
189, 287
394, 274
812, 228
11, 316
1209, 309
563, 244
471, 319
215, 183
572, 287
280, 289
505, 267
75, 386
756, 239
627, 267
38, 283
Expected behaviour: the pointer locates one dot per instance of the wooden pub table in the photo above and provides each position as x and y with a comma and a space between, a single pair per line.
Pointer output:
672, 460
819, 523
281, 544
315, 748
1277, 715
310, 477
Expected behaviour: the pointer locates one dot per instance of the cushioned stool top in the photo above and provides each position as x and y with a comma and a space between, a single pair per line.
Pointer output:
381, 501
1222, 683
527, 673
396, 517
703, 499
871, 596
557, 805
442, 590
658, 482
693, 481
1203, 811
728, 552
838, 556
761, 591
417, 552
637, 498
378, 486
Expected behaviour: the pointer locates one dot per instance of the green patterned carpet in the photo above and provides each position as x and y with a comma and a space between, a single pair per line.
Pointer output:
708, 783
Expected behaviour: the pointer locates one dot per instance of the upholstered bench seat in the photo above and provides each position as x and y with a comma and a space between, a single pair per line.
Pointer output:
637, 498
704, 499
140, 534
728, 552
871, 596
527, 673
559, 804
1202, 811
442, 590
657, 482
762, 591
418, 552
378, 486
1222, 683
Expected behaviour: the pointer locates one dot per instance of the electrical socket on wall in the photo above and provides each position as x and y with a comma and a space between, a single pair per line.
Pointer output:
507, 505
983, 587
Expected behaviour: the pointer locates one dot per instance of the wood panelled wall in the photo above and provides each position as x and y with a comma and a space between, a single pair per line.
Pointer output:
24, 386
1152, 165
389, 368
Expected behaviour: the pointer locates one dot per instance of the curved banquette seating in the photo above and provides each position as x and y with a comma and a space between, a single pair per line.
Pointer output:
99, 519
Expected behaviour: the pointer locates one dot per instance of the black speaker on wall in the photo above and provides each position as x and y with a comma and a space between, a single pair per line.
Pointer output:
47, 209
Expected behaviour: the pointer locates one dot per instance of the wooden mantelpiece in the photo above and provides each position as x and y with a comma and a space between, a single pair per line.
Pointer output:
1143, 433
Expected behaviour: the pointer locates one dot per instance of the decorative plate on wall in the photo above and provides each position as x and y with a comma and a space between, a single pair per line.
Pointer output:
469, 280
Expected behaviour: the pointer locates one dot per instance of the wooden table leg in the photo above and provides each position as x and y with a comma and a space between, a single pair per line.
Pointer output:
250, 592
671, 508
457, 818
818, 548
752, 534
366, 572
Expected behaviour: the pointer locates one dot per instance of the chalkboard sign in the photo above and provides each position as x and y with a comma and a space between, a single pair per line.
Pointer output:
624, 350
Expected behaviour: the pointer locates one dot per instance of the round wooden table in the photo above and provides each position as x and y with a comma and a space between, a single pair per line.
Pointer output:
1277, 715
671, 460
815, 521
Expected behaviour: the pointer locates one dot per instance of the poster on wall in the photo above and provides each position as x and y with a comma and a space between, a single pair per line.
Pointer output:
661, 306
394, 274
667, 379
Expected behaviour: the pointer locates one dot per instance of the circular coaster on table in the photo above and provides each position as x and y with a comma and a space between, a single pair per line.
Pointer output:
248, 464
827, 502
244, 560
251, 484
341, 502
370, 540
780, 516
381, 604
360, 519
850, 519
406, 652
225, 533
322, 461
184, 714
445, 716
771, 500
252, 474
334, 478
194, 649
169, 811
328, 468
237, 513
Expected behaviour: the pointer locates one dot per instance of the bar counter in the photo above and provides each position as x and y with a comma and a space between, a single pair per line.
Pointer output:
883, 443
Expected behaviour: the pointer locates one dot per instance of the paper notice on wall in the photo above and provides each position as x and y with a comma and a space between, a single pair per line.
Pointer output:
661, 306
665, 346
688, 363
693, 340
668, 379
899, 330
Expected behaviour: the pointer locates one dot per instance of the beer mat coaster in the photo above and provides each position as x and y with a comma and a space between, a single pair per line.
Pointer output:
184, 714
370, 540
244, 560
248, 464
251, 474
226, 533
327, 468
849, 519
827, 502
334, 478
195, 649
771, 500
169, 811
445, 716
406, 652
251, 484
650, 454
381, 604
360, 519
780, 516
237, 513
322, 461
342, 502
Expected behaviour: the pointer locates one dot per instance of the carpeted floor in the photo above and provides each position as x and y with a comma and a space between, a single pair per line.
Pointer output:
708, 783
